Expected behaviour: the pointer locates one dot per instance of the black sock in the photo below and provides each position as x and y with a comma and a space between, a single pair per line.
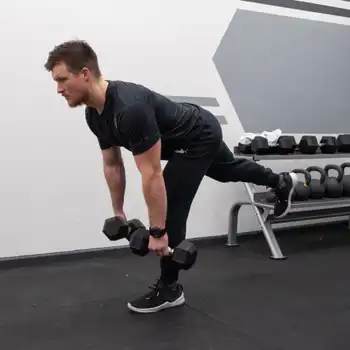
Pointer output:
169, 281
172, 285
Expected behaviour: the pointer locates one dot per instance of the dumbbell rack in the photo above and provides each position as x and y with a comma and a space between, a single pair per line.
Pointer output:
302, 210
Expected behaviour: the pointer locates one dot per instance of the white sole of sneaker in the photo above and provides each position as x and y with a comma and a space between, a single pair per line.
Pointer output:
295, 181
177, 302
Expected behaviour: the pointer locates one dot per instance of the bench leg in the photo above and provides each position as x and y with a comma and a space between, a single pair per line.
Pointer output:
233, 226
276, 252
266, 227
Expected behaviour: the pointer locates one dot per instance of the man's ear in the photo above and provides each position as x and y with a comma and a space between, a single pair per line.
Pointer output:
85, 73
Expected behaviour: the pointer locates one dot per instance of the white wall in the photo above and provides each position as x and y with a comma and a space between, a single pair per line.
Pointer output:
54, 197
53, 193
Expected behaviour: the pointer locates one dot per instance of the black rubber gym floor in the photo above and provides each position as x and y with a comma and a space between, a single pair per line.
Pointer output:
237, 298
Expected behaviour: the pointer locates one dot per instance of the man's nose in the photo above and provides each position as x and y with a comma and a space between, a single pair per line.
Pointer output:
60, 89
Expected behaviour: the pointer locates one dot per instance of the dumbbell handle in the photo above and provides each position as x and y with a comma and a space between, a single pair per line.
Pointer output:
145, 248
170, 251
183, 254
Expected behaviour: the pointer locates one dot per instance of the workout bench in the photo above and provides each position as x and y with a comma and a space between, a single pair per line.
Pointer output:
303, 210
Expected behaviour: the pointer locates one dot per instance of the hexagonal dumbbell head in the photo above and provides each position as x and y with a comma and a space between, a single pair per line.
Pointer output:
185, 254
115, 228
139, 241
134, 225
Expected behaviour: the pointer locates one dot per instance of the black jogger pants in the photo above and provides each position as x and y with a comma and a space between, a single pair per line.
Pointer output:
209, 156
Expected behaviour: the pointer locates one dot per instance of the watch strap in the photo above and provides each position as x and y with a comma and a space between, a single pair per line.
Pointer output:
157, 232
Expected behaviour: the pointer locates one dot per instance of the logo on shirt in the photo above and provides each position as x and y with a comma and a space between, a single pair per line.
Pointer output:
181, 151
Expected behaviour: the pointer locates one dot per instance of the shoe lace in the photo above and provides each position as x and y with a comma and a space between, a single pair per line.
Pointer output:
156, 288
280, 189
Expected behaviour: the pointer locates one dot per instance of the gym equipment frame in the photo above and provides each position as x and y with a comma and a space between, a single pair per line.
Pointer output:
303, 210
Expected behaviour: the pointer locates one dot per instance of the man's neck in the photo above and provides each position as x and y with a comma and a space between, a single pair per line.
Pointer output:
97, 95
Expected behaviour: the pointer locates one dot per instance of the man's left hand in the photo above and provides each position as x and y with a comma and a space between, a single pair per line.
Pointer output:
159, 245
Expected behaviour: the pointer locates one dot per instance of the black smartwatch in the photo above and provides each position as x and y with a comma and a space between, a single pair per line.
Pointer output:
157, 232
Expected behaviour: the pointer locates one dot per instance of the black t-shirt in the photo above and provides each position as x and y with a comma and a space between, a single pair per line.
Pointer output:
136, 117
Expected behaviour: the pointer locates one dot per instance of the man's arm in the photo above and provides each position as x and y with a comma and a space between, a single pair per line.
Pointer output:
139, 125
114, 171
113, 167
153, 184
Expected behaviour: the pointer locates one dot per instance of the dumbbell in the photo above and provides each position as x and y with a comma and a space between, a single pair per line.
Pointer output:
259, 145
343, 143
328, 144
286, 144
308, 144
116, 228
184, 255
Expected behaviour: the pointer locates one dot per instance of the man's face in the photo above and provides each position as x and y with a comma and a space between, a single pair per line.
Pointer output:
73, 87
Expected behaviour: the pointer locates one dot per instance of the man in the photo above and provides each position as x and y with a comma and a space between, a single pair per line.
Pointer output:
124, 114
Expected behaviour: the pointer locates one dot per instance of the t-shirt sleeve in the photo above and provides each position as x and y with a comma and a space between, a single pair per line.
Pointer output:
103, 144
139, 127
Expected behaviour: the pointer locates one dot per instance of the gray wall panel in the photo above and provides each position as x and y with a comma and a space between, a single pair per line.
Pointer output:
287, 73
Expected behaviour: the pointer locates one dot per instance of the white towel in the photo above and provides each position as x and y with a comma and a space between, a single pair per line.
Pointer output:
271, 136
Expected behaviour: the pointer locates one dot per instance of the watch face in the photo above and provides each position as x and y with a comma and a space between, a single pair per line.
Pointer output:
156, 232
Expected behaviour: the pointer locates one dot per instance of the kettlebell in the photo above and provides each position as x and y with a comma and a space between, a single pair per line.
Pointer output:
317, 185
346, 180
302, 190
333, 185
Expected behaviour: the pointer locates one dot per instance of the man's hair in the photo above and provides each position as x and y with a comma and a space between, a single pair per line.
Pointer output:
76, 54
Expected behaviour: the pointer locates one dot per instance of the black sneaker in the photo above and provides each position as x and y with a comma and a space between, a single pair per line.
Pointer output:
284, 192
159, 298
